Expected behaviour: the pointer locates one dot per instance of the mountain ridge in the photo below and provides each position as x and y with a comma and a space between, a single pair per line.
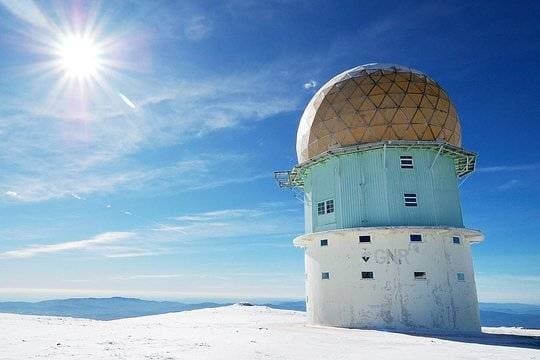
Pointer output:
113, 308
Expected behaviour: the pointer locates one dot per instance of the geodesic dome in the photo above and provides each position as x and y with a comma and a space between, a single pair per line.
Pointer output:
373, 103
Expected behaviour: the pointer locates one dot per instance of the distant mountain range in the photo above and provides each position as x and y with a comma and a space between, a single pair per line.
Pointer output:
100, 308
491, 314
510, 314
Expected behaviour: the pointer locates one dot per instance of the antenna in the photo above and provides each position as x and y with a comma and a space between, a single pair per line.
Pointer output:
283, 179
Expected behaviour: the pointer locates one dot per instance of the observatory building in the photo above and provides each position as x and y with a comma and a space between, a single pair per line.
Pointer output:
380, 160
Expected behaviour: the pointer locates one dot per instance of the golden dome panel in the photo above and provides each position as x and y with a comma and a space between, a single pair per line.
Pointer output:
373, 103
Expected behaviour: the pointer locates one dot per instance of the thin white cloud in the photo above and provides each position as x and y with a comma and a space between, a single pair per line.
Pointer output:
509, 168
211, 184
149, 276
140, 253
28, 11
267, 221
188, 175
508, 185
208, 290
11, 194
54, 154
508, 288
92, 243
310, 84
220, 214
271, 221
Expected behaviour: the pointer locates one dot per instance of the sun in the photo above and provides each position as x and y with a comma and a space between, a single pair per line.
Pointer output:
79, 56
78, 62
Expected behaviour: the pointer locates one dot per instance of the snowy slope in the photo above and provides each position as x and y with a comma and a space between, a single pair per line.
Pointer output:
241, 332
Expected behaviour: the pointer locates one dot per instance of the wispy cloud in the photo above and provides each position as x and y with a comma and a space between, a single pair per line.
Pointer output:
196, 173
508, 185
48, 153
238, 275
56, 146
220, 215
201, 230
278, 219
310, 84
28, 11
78, 197
508, 288
221, 292
128, 252
148, 276
12, 194
509, 168
88, 244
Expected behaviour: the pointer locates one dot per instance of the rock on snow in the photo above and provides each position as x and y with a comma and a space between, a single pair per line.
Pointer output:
240, 332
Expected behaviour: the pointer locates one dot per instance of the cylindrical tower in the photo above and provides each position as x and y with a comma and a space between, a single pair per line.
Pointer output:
379, 152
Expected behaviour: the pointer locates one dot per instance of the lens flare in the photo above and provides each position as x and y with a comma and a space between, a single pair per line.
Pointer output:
78, 62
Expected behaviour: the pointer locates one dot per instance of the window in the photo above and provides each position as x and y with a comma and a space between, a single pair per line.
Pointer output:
460, 276
329, 206
456, 240
367, 274
410, 199
420, 275
364, 238
320, 208
325, 275
324, 242
325, 207
406, 162
416, 237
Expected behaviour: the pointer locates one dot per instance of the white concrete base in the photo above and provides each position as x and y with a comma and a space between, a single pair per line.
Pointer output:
393, 299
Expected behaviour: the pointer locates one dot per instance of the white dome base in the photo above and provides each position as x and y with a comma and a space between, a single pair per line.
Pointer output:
416, 285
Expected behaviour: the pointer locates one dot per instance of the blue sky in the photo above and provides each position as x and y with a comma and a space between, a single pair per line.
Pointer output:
156, 180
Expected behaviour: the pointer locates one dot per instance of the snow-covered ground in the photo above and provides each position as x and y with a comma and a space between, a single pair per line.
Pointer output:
242, 332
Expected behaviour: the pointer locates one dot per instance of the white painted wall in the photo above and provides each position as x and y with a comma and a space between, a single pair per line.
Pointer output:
393, 299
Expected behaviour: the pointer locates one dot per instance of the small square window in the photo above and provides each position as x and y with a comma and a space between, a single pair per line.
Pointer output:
456, 240
410, 199
367, 274
364, 238
406, 162
324, 242
460, 276
420, 275
329, 206
416, 237
325, 275
325, 207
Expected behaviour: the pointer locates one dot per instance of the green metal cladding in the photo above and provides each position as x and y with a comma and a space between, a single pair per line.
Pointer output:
368, 189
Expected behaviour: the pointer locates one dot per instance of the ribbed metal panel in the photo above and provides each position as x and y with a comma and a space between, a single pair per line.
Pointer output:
352, 179
368, 187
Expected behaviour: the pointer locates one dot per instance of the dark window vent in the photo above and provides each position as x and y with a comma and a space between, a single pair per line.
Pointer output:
406, 162
364, 238
367, 274
410, 199
416, 237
